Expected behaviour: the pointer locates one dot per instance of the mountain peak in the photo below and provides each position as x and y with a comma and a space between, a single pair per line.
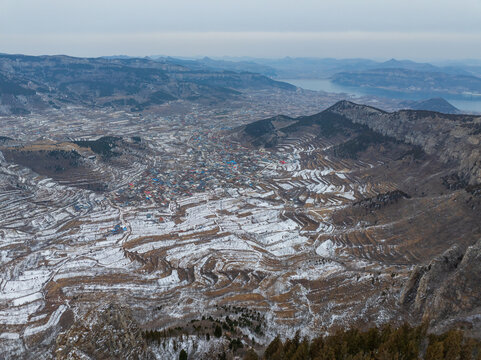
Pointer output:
346, 105
437, 104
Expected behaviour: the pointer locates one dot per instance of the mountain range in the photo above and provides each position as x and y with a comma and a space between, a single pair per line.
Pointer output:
28, 83
312, 68
392, 78
407, 81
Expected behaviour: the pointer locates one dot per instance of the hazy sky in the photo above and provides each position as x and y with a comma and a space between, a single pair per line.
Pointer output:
415, 29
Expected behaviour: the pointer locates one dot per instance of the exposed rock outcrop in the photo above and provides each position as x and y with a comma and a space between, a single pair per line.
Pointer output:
382, 200
108, 333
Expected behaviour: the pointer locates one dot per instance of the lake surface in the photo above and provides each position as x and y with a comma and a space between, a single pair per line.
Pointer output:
328, 86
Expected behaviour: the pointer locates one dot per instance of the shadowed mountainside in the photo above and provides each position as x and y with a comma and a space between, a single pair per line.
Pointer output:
455, 139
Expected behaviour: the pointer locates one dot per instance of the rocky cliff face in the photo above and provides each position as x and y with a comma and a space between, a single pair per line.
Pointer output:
454, 138
447, 288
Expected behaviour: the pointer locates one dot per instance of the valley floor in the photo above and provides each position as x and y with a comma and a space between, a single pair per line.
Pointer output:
193, 223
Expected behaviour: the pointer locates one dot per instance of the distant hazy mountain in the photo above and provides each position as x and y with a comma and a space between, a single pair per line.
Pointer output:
424, 67
314, 68
116, 57
309, 68
207, 63
407, 81
34, 82
472, 66
407, 64
436, 104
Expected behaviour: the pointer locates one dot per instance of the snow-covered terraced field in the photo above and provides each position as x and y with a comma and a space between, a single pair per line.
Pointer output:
271, 245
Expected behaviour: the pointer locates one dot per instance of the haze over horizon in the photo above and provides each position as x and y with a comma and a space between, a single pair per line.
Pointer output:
341, 29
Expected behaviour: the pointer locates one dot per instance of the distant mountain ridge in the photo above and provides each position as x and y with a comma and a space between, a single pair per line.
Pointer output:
321, 68
408, 81
392, 78
207, 63
30, 83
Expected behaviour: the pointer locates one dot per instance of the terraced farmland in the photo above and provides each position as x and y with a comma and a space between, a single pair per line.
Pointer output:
191, 221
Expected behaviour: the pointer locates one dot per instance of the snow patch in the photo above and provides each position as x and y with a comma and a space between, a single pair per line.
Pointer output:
326, 249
